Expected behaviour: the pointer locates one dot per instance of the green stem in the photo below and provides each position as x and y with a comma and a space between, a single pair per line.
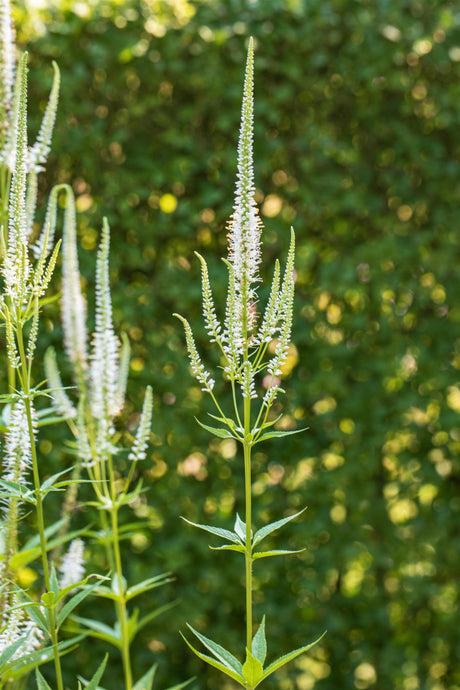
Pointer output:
248, 518
39, 503
122, 613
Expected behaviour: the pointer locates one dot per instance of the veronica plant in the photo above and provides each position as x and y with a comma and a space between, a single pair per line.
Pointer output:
26, 625
244, 342
100, 373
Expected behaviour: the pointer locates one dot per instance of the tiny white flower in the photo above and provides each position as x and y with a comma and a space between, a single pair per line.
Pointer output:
72, 569
143, 430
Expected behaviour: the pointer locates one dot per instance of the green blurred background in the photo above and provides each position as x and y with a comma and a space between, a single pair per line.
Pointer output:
357, 144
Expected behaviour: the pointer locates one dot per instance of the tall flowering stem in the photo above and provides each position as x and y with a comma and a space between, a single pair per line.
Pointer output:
255, 381
100, 373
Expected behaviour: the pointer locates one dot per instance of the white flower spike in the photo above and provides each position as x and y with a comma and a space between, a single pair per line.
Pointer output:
245, 226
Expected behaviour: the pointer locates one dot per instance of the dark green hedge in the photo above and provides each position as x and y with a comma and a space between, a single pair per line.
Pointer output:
357, 144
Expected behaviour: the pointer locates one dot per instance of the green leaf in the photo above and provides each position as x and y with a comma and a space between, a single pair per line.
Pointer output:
181, 685
240, 528
229, 547
265, 425
41, 656
229, 422
252, 669
115, 585
223, 533
7, 653
154, 614
48, 599
146, 682
222, 654
220, 433
278, 434
288, 657
268, 529
93, 683
100, 630
27, 555
74, 601
132, 624
147, 585
41, 682
279, 552
216, 664
259, 643
48, 484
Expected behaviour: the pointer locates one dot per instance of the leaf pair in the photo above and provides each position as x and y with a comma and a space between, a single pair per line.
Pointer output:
252, 672
144, 683
91, 685
237, 537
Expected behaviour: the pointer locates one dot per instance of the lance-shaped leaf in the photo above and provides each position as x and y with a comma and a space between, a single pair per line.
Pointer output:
180, 686
41, 682
278, 552
70, 605
146, 682
220, 433
149, 584
278, 434
268, 529
10, 651
93, 684
229, 547
26, 664
218, 531
240, 528
99, 630
252, 669
226, 658
222, 654
283, 660
259, 643
216, 664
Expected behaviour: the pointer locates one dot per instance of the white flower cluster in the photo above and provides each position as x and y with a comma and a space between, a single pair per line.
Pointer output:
143, 429
105, 402
245, 225
72, 569
60, 399
23, 283
73, 303
17, 456
16, 625
10, 87
241, 342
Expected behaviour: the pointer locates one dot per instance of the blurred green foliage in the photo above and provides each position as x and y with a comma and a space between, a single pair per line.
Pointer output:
357, 144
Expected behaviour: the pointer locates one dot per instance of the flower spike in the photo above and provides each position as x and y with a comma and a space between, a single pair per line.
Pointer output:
7, 64
245, 226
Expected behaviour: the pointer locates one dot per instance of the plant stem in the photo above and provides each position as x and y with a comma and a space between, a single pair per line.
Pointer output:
248, 518
39, 503
121, 601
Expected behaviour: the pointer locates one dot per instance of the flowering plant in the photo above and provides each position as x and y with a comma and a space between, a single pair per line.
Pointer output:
243, 345
30, 629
